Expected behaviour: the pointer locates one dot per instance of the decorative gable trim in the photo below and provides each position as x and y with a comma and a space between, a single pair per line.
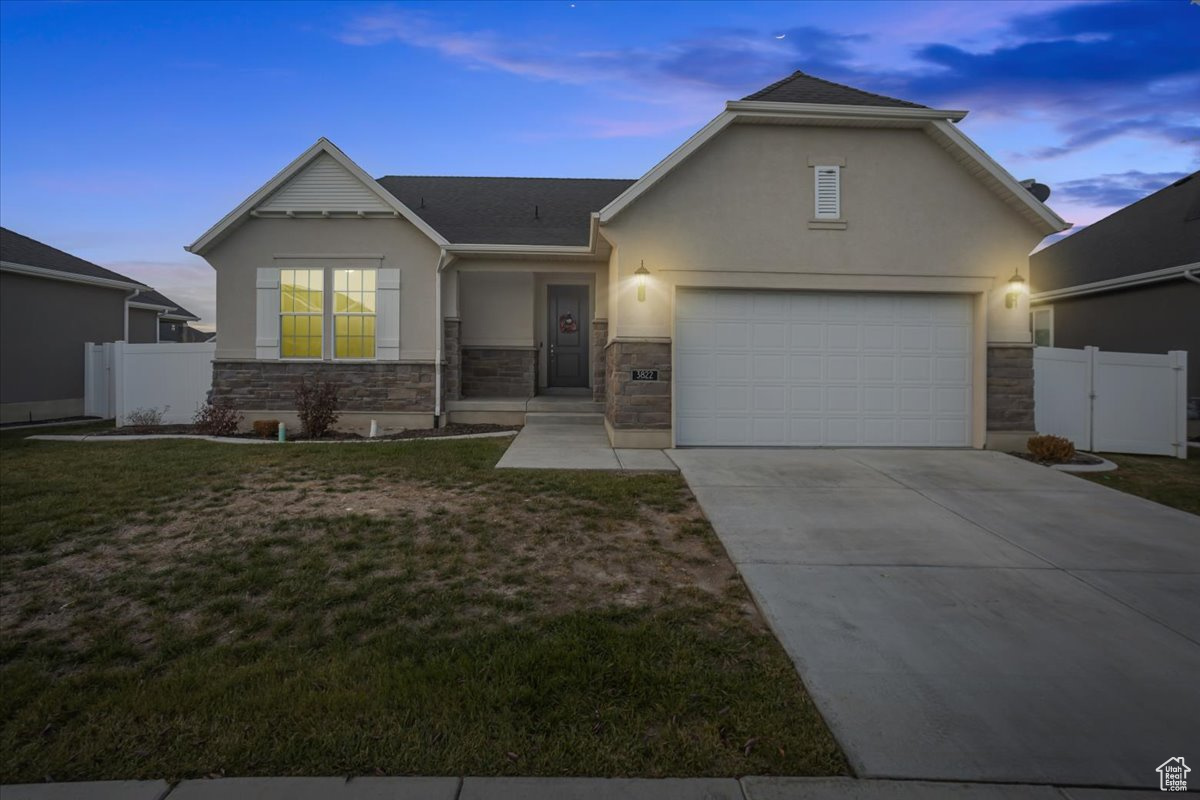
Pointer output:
388, 203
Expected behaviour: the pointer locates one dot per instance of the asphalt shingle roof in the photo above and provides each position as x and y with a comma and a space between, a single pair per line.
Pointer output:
17, 248
800, 87
1161, 230
156, 298
537, 211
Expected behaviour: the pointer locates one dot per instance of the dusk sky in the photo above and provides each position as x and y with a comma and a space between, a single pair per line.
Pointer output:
126, 130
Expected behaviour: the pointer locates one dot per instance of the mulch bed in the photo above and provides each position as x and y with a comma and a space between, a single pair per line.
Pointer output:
1078, 458
454, 429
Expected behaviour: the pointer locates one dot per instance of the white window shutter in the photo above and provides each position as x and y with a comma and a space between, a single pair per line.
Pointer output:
266, 336
829, 192
387, 315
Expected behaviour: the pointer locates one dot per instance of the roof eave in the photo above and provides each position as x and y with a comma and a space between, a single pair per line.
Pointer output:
70, 277
823, 110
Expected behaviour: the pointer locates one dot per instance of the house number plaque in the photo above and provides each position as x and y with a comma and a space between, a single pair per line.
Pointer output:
645, 374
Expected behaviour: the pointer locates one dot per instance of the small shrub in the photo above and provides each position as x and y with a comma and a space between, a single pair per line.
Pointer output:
217, 419
266, 428
145, 417
1052, 449
316, 404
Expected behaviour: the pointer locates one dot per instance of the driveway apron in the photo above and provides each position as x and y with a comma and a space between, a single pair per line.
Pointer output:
966, 615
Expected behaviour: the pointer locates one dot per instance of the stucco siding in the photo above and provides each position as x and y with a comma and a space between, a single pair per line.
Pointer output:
267, 242
496, 309
1148, 319
45, 324
737, 213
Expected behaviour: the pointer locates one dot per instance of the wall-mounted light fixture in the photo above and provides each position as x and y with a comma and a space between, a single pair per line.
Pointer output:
641, 273
1016, 287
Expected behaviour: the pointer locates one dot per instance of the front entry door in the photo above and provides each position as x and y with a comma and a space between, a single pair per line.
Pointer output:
567, 356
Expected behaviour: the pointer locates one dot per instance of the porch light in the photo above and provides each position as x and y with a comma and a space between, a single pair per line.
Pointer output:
641, 273
1016, 287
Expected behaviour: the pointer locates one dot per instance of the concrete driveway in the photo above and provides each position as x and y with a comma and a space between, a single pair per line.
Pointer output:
965, 615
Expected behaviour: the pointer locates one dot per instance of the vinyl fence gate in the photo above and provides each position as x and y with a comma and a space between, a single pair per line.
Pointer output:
1112, 402
170, 377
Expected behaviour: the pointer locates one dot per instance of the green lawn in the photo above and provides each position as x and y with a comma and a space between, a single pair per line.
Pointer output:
1170, 481
179, 608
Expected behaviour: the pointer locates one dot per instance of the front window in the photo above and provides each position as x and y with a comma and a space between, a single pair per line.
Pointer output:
354, 313
301, 313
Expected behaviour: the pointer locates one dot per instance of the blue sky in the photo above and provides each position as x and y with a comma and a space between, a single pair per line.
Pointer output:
127, 129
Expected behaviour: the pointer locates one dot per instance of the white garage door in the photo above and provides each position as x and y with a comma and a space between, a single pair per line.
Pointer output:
808, 369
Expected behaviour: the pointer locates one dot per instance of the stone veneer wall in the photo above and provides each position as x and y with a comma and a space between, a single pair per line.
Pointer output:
452, 360
499, 372
599, 358
628, 403
369, 386
1010, 388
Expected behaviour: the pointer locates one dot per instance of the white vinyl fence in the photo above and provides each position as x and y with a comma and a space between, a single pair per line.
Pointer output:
1113, 402
171, 378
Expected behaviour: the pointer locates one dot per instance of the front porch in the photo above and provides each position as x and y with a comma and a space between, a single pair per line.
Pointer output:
521, 410
514, 331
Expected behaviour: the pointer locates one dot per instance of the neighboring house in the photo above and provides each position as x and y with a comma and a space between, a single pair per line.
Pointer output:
1130, 282
41, 364
818, 265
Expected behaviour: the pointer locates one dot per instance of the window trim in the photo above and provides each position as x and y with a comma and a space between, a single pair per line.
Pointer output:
333, 314
1033, 312
323, 315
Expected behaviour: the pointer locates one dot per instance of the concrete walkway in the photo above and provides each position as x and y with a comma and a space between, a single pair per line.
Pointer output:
576, 441
752, 788
965, 615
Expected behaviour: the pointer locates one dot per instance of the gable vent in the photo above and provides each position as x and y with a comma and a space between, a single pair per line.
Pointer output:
829, 192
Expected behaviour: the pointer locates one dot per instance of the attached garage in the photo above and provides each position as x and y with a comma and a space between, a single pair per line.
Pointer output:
812, 369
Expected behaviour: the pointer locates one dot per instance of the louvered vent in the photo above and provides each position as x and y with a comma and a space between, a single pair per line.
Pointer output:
829, 193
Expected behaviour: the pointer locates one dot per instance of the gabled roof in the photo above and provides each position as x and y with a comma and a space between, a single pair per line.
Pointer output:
802, 99
533, 211
322, 145
1159, 231
18, 249
802, 88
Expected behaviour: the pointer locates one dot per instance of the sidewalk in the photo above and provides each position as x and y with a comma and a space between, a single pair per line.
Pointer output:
750, 788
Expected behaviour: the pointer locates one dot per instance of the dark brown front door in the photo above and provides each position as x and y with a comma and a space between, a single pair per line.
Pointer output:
567, 357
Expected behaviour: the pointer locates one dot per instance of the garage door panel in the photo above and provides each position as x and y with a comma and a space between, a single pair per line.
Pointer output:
806, 368
841, 399
731, 334
822, 369
879, 400
879, 368
727, 397
771, 399
729, 367
770, 334
879, 432
841, 336
841, 368
806, 336
950, 370
876, 338
916, 370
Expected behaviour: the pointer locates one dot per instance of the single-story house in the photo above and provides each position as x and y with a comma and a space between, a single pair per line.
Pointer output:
817, 266
41, 366
1128, 283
